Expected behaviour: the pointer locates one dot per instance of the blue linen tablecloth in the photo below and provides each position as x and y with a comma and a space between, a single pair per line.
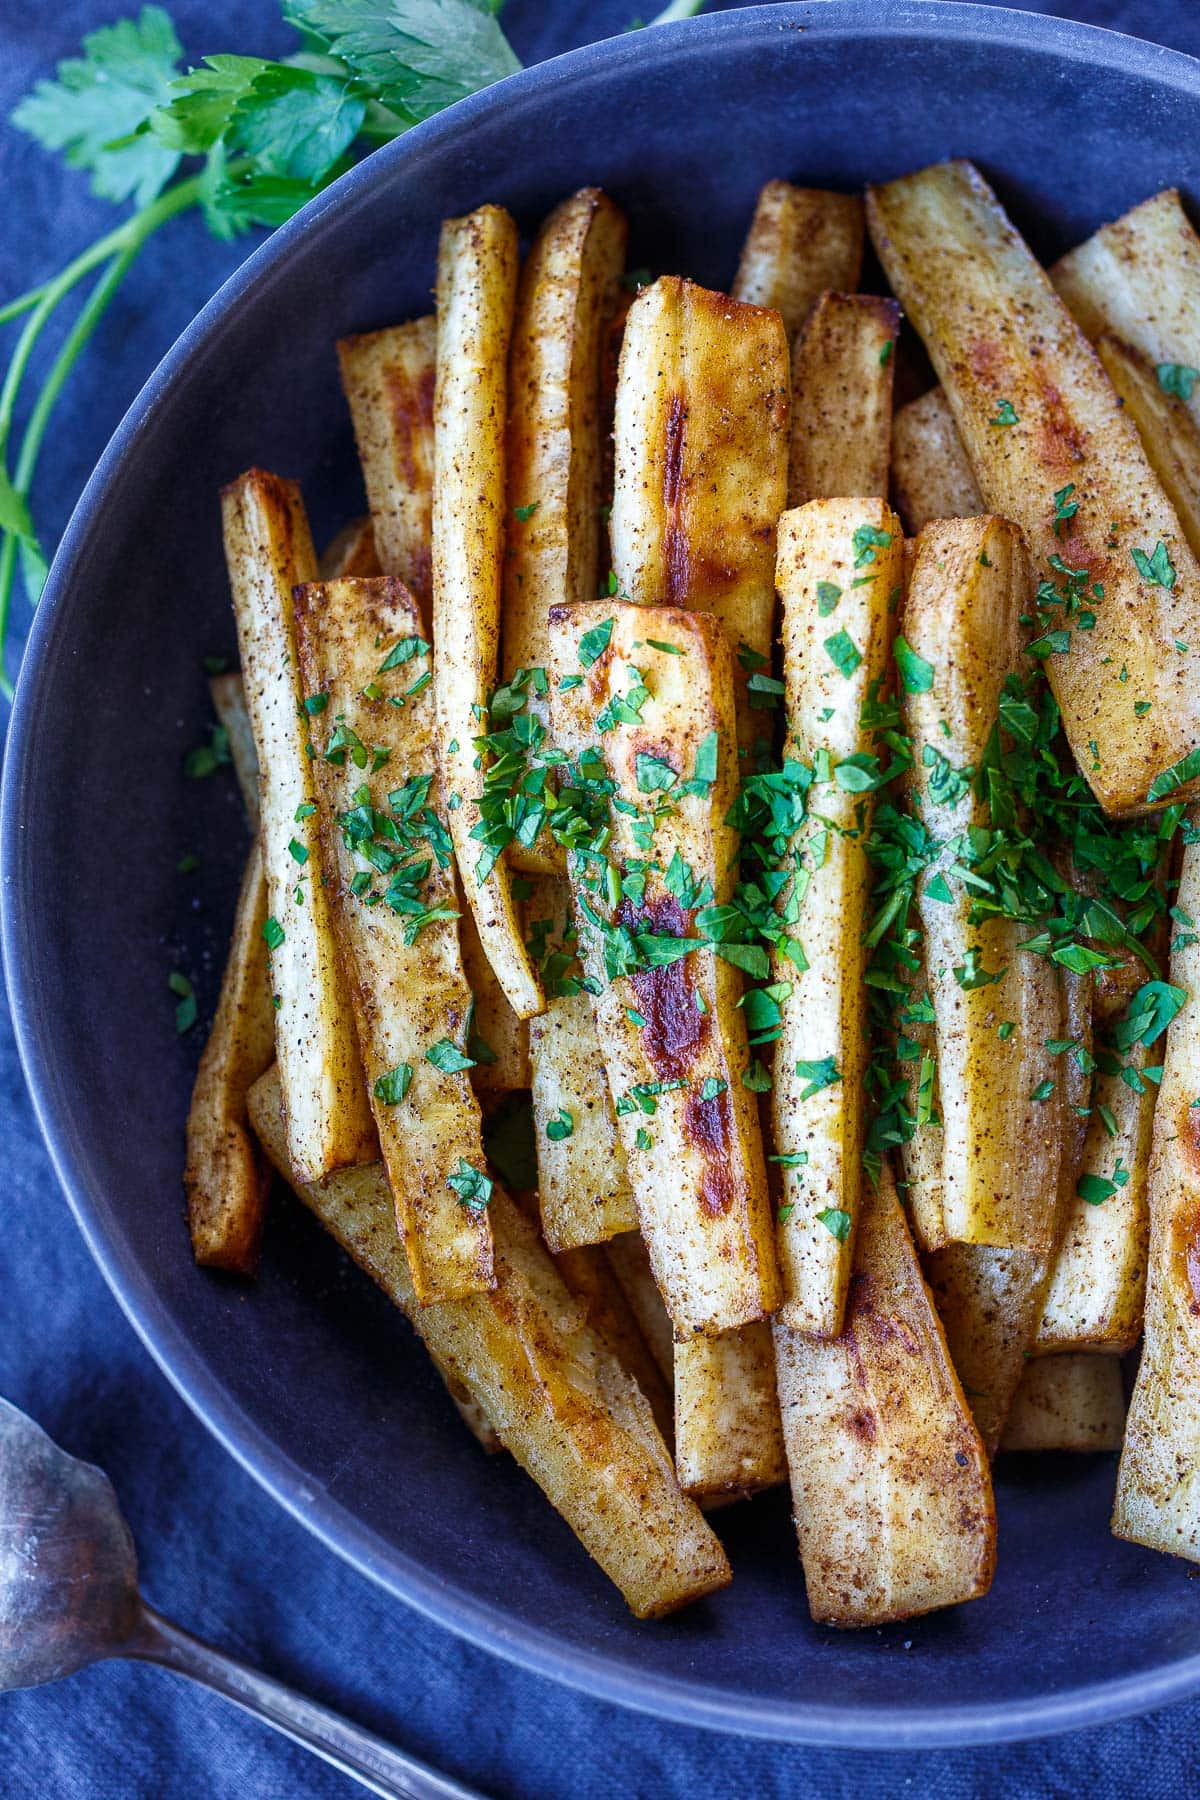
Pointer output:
216, 1553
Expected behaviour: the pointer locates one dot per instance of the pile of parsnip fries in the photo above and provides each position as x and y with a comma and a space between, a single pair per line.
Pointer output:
821, 872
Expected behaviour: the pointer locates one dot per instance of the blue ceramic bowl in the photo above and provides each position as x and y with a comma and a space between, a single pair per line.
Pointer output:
310, 1379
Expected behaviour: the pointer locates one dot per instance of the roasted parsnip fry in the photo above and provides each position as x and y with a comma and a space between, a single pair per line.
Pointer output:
395, 911
801, 242
269, 550
701, 462
388, 378
630, 1263
842, 368
1140, 278
590, 1277
555, 1394
990, 1301
500, 1039
891, 1492
673, 1037
583, 1184
839, 577
1158, 1488
1052, 449
477, 276
225, 1182
224, 1177
1098, 1285
931, 474
1170, 434
567, 295
728, 1436
1070, 1402
351, 552
1002, 1118
229, 702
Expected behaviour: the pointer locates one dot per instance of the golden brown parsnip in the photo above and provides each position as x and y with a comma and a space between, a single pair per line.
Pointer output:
1098, 1285
351, 552
1001, 1146
839, 576
225, 1182
990, 1301
1140, 278
1068, 1402
891, 1492
554, 1393
590, 1277
388, 378
931, 474
567, 295
1170, 434
842, 367
1052, 450
224, 1176
477, 277
728, 1436
495, 1027
701, 462
688, 1124
583, 1184
801, 242
397, 925
1158, 1488
630, 1263
268, 550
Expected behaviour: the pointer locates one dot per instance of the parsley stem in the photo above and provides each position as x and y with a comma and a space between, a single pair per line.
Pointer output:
678, 9
120, 248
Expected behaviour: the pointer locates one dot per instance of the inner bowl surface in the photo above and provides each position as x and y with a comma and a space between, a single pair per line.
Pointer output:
310, 1378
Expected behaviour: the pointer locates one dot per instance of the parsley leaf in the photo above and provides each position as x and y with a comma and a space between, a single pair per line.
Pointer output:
93, 111
415, 56
185, 1010
1157, 568
843, 652
822, 1073
828, 595
446, 1056
835, 1221
1177, 379
392, 1086
595, 642
1006, 414
915, 672
560, 1126
473, 1187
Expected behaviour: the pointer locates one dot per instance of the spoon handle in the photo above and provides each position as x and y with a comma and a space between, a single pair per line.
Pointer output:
376, 1764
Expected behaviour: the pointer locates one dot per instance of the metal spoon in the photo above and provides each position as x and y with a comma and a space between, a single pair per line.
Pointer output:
69, 1597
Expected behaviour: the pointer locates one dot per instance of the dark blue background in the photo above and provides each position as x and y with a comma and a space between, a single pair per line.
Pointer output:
214, 1551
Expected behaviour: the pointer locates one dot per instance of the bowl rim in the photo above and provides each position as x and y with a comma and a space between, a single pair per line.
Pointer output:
602, 1675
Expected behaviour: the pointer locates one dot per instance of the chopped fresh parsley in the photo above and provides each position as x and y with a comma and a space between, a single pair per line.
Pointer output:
473, 1187
1177, 379
915, 673
273, 933
392, 1086
446, 1056
560, 1126
822, 1073
185, 1008
835, 1221
843, 653
1157, 568
1006, 414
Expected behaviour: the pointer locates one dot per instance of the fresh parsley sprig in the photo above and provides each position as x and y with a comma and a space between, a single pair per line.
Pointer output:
245, 139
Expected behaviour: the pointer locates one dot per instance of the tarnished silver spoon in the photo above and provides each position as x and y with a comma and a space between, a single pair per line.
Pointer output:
69, 1597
